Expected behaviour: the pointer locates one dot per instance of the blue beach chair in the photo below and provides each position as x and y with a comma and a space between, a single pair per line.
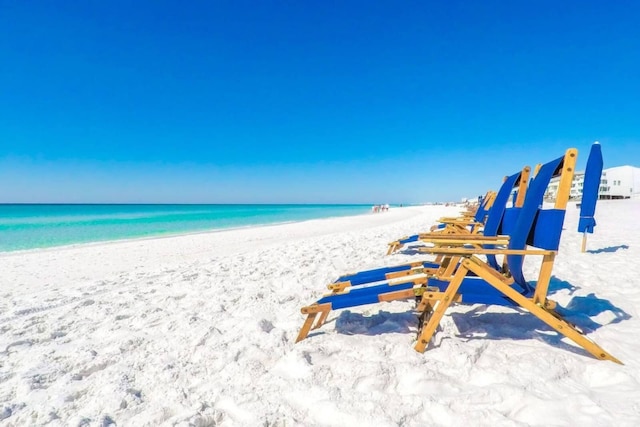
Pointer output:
491, 228
471, 215
392, 283
476, 281
535, 227
476, 224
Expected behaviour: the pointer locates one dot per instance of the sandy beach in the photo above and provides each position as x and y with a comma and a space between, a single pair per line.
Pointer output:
199, 330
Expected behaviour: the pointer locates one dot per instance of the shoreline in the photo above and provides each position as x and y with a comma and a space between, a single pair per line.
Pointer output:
169, 235
68, 266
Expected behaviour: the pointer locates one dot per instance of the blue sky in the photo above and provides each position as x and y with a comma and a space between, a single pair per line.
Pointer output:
302, 102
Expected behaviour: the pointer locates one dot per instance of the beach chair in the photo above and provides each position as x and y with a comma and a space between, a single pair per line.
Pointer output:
476, 281
480, 208
476, 224
491, 228
470, 216
392, 283
536, 232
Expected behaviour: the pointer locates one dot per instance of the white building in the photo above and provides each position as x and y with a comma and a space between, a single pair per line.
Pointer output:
621, 182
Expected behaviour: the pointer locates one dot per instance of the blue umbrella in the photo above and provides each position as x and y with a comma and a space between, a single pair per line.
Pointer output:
590, 189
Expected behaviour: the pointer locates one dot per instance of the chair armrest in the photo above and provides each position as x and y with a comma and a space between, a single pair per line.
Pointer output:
481, 251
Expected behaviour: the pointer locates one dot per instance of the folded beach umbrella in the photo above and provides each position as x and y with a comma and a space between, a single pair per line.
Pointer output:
590, 189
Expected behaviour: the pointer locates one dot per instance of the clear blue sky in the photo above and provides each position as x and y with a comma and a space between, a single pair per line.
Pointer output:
307, 101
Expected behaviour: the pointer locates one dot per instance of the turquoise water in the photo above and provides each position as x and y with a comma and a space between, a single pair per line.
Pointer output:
43, 226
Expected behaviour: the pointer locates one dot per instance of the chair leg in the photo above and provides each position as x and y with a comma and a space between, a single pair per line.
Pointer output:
321, 320
306, 327
568, 330
393, 247
425, 311
428, 330
440, 308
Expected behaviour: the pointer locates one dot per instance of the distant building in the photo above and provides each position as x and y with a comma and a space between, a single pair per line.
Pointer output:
621, 182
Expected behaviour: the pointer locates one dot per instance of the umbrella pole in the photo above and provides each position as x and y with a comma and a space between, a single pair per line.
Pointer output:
584, 241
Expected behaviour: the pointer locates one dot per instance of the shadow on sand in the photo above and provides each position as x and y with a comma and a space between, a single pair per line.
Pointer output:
382, 322
480, 324
518, 325
556, 285
521, 325
411, 251
608, 249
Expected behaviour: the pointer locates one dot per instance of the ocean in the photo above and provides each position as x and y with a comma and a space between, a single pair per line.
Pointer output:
30, 226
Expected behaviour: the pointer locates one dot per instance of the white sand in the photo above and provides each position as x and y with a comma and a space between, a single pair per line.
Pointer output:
199, 330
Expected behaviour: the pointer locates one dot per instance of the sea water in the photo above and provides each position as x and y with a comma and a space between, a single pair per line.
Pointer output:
29, 226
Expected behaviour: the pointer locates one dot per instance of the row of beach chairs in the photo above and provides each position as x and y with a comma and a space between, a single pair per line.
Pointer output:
478, 257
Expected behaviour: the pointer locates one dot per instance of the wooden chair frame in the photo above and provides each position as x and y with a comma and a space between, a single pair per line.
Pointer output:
465, 225
433, 305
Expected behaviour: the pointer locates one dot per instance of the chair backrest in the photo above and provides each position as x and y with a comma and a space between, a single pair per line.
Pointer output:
484, 205
496, 213
540, 227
